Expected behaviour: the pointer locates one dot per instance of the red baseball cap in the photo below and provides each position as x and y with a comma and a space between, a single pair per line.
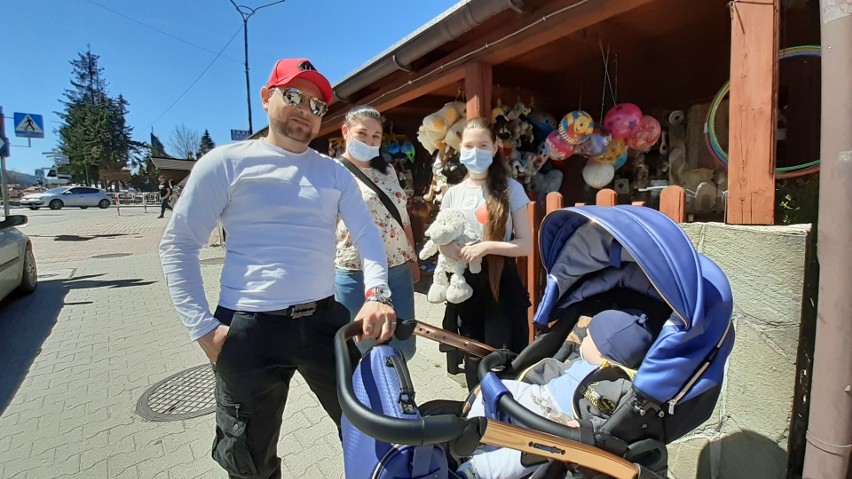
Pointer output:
288, 69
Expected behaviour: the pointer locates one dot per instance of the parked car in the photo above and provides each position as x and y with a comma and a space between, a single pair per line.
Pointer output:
18, 273
78, 196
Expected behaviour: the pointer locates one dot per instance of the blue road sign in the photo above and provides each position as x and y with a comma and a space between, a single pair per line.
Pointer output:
4, 142
29, 125
240, 135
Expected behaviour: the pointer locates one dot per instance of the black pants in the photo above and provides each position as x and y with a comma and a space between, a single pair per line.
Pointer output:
164, 205
259, 357
501, 324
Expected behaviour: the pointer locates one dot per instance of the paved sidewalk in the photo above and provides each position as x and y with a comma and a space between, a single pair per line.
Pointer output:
99, 331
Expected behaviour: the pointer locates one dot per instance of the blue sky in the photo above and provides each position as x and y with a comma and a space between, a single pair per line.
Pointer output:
152, 69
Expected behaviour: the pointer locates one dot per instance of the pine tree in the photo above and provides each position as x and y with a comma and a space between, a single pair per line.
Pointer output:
145, 175
157, 148
206, 145
95, 134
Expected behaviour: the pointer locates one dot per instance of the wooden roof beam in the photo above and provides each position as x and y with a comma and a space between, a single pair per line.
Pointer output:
403, 92
582, 16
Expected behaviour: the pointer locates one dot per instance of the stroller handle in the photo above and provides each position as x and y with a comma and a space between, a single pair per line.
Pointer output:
423, 431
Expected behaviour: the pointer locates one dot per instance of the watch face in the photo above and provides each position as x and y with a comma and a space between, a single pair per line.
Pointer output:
383, 291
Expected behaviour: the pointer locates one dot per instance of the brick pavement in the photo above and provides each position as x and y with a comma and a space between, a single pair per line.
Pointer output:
79, 353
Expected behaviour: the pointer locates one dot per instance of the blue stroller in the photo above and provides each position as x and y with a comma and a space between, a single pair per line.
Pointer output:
585, 250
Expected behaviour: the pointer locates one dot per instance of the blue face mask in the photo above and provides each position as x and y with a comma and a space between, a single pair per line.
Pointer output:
362, 151
476, 160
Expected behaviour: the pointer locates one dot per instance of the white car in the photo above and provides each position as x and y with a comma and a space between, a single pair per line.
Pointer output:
75, 196
17, 264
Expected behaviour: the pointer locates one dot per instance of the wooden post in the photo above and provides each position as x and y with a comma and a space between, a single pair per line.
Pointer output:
606, 197
754, 96
533, 266
477, 88
554, 202
535, 269
673, 203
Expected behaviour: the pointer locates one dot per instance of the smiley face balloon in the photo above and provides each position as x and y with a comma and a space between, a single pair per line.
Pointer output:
575, 127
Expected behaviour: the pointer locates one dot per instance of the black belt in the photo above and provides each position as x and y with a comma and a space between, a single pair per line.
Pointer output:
302, 310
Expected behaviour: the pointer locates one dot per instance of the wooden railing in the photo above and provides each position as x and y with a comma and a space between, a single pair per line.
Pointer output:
672, 204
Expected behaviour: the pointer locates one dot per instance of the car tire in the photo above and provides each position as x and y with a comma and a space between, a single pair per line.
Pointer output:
103, 204
29, 278
56, 205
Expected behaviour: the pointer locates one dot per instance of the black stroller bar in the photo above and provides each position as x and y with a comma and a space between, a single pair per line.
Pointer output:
524, 416
426, 430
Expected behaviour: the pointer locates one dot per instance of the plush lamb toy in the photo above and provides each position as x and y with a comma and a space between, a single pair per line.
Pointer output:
450, 226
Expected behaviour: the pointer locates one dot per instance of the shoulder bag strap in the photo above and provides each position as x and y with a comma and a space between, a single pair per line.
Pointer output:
383, 197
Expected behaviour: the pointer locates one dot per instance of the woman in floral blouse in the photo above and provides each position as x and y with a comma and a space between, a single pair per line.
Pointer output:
362, 131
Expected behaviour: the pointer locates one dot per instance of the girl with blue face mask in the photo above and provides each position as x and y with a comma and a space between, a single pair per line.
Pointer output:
362, 130
496, 207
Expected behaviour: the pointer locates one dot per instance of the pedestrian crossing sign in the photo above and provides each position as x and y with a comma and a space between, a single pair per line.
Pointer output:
29, 125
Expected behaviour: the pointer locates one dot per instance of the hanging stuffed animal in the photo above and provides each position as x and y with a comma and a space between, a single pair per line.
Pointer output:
450, 226
454, 135
436, 125
437, 180
640, 172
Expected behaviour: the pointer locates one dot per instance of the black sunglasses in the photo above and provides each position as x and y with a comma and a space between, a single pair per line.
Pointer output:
294, 97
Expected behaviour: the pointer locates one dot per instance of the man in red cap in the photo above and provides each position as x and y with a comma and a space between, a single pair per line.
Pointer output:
279, 201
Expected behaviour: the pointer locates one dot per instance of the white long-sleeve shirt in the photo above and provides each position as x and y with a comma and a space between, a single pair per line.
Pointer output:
279, 210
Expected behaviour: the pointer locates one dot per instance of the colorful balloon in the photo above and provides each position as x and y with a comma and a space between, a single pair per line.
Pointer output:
646, 135
575, 127
482, 215
615, 151
623, 120
557, 148
596, 144
620, 161
598, 174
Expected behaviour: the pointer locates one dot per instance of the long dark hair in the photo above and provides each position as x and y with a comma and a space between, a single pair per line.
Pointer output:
496, 203
364, 112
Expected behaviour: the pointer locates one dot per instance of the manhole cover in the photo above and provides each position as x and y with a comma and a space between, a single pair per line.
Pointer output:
215, 260
184, 395
110, 255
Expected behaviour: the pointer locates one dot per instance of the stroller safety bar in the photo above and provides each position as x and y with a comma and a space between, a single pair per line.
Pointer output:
541, 444
457, 431
443, 336
521, 415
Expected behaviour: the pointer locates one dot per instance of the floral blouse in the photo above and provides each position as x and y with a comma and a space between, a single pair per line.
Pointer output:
397, 246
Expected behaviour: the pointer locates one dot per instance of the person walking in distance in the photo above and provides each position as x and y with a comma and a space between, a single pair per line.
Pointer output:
166, 192
279, 200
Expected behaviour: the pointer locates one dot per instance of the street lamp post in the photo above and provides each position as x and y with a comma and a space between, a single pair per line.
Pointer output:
246, 13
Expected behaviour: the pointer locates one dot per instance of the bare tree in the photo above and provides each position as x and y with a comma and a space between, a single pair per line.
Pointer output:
184, 142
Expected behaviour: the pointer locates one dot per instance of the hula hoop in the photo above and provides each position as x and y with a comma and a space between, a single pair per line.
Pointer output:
712, 141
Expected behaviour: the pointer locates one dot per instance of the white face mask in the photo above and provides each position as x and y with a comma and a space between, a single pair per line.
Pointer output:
362, 151
476, 160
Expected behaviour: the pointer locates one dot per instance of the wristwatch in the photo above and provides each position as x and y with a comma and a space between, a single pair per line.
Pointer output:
380, 293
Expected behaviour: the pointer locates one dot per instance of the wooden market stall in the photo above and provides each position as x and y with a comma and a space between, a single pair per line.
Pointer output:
670, 57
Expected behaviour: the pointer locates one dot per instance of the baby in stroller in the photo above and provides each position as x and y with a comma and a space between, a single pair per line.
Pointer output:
615, 339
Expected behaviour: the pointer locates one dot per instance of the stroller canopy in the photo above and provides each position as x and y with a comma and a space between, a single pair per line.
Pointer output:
689, 354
